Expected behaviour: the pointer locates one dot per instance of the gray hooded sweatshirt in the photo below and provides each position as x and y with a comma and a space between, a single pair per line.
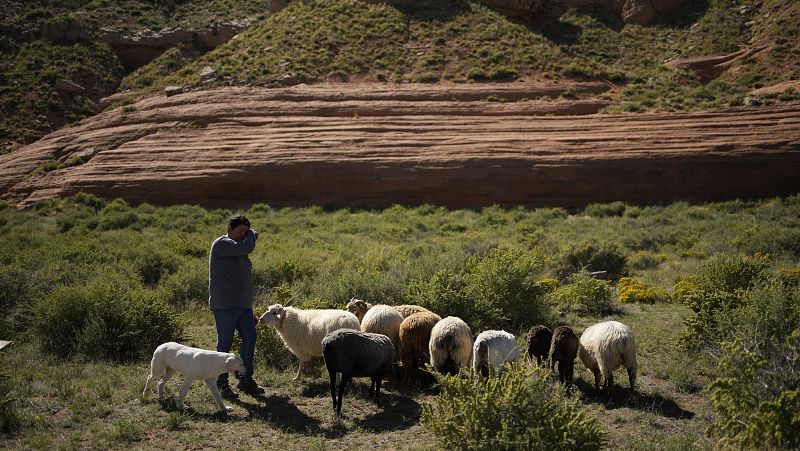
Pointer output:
230, 280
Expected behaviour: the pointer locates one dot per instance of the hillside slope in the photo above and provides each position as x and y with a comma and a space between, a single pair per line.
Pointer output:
379, 144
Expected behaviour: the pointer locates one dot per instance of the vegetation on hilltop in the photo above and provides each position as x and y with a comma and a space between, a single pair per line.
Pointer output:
429, 42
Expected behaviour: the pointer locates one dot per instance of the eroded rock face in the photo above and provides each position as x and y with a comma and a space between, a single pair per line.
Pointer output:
640, 12
137, 49
386, 144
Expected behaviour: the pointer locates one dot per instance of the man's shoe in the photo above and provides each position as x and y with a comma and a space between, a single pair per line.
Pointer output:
250, 387
226, 391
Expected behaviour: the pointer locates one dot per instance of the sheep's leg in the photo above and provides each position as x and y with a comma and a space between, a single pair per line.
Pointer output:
332, 376
596, 372
342, 385
377, 382
570, 371
299, 369
212, 386
609, 384
632, 377
163, 382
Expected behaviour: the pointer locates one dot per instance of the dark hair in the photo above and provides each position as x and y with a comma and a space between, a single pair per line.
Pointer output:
237, 220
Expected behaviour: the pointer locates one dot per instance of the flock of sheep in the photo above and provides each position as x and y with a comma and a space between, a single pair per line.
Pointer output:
365, 341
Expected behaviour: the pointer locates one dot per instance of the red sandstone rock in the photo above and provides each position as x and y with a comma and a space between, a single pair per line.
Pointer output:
385, 144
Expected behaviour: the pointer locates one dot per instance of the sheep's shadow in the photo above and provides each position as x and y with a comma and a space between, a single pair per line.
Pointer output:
398, 412
281, 413
398, 409
624, 397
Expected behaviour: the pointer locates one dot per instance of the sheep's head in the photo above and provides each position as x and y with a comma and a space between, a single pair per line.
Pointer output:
235, 364
358, 307
274, 316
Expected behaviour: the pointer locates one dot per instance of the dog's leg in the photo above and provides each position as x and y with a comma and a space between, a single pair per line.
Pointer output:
147, 385
182, 394
212, 385
163, 382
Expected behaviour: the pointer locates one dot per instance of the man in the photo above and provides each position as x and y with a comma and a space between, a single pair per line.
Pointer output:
230, 297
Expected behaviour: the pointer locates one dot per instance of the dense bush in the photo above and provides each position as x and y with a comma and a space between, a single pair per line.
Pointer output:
605, 210
584, 295
495, 291
592, 256
722, 288
519, 409
102, 321
757, 395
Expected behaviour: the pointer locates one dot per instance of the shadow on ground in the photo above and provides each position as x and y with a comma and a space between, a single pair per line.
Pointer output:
623, 397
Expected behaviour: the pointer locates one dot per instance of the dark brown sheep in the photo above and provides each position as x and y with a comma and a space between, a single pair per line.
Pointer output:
538, 340
563, 350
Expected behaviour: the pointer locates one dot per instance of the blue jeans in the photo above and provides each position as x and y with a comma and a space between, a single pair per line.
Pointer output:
228, 321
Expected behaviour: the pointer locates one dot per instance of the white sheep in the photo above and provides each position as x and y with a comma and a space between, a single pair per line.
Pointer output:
494, 348
450, 347
302, 331
605, 347
384, 319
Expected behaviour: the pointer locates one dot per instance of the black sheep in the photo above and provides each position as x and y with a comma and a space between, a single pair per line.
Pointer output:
356, 354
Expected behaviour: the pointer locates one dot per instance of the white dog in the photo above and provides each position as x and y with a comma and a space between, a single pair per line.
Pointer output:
195, 364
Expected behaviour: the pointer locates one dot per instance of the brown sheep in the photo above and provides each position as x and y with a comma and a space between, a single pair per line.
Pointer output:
563, 350
358, 307
538, 341
415, 333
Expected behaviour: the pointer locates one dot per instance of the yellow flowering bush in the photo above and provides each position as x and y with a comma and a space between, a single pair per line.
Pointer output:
632, 290
685, 288
548, 284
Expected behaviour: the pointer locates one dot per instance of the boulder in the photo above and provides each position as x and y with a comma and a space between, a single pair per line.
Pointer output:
170, 91
69, 87
639, 12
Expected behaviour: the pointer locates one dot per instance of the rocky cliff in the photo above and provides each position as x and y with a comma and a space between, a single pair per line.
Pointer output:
383, 144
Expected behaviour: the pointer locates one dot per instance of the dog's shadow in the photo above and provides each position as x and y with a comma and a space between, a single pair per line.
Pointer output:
624, 397
168, 405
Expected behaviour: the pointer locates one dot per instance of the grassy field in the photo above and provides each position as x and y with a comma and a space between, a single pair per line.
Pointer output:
477, 264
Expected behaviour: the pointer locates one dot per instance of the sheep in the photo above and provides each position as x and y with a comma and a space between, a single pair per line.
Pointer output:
563, 350
358, 307
450, 347
606, 346
356, 354
383, 319
494, 348
415, 334
302, 330
408, 310
538, 342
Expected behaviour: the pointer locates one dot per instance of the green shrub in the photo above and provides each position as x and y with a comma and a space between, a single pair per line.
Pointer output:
605, 210
592, 256
187, 286
756, 399
722, 288
505, 282
685, 288
496, 291
585, 295
519, 409
153, 265
100, 321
